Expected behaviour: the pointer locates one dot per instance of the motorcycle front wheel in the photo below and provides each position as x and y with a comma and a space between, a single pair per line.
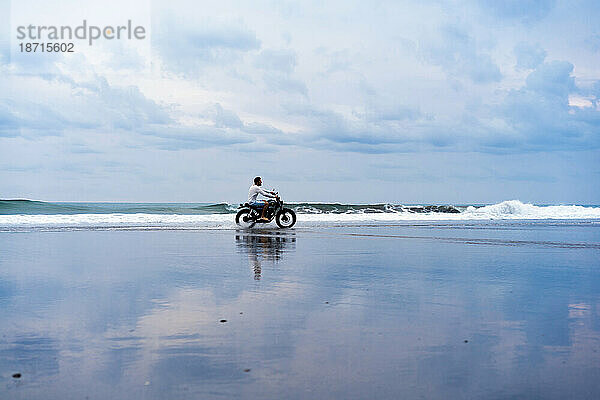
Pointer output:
285, 218
244, 219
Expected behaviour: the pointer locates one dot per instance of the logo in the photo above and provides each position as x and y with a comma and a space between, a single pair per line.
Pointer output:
85, 31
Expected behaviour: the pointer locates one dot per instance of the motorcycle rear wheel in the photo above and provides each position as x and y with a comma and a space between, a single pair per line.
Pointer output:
285, 218
244, 220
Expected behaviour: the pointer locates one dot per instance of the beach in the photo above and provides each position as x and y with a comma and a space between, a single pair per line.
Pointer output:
409, 309
265, 200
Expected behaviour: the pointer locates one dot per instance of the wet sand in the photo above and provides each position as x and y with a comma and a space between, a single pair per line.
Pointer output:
431, 310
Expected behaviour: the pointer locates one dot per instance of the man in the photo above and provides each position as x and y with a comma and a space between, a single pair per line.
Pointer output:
253, 193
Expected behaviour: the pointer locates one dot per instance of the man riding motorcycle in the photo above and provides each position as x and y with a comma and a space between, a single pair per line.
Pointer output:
253, 193
249, 213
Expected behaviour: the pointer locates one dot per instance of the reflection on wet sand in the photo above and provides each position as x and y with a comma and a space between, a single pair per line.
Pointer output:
353, 313
264, 246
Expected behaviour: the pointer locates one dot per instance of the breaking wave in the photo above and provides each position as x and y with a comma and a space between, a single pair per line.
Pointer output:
26, 213
31, 207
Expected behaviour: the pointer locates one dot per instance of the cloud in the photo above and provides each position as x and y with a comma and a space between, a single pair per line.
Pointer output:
526, 11
187, 47
283, 83
552, 79
538, 116
529, 56
5, 33
9, 123
279, 60
193, 137
36, 106
122, 107
226, 118
535, 117
459, 55
126, 59
277, 68
593, 42
334, 61
94, 105
26, 117
335, 131
391, 112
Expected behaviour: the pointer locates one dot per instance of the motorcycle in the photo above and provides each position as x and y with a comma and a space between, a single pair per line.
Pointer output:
248, 215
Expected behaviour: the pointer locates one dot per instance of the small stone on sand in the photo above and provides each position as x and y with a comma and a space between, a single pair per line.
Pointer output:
466, 341
247, 370
16, 376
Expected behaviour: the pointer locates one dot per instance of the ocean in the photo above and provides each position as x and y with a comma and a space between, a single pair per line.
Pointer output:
27, 214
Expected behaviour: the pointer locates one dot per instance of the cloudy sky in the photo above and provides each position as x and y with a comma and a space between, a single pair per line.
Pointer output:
366, 101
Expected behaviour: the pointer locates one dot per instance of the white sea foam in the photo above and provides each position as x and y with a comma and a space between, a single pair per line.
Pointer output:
117, 220
512, 209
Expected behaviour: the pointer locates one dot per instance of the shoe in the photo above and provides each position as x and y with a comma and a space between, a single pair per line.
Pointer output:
263, 219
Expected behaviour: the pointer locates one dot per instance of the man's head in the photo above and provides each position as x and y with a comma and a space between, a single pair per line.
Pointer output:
257, 181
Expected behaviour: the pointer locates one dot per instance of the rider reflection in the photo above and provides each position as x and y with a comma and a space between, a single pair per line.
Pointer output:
264, 247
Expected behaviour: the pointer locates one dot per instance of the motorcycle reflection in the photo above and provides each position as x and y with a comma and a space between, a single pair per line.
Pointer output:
264, 247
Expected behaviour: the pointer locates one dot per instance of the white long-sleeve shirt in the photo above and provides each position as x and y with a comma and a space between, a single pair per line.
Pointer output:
255, 190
